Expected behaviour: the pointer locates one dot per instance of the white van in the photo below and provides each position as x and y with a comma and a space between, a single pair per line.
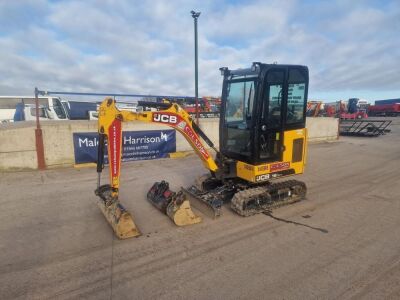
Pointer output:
53, 105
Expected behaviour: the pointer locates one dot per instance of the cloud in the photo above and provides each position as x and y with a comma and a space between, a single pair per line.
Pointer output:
249, 20
147, 47
17, 15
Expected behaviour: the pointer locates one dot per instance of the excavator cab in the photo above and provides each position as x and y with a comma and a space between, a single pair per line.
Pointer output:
259, 105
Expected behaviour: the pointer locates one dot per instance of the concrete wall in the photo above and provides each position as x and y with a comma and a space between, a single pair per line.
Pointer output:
322, 129
17, 141
58, 143
17, 146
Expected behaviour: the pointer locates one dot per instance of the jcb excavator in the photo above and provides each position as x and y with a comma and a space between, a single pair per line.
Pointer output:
262, 136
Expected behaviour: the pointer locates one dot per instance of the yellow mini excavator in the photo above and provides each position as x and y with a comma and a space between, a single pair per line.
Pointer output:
262, 136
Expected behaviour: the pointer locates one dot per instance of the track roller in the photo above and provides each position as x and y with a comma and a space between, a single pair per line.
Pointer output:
264, 198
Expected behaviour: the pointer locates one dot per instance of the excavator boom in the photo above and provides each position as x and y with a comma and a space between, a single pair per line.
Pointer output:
110, 118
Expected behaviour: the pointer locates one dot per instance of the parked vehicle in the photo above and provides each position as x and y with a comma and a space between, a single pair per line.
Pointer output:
66, 107
53, 105
85, 110
356, 109
27, 112
385, 110
7, 115
79, 110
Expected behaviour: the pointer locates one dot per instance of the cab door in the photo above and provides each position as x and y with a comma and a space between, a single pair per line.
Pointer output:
269, 140
236, 123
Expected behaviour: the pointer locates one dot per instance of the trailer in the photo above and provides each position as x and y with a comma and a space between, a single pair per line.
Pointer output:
364, 127
390, 110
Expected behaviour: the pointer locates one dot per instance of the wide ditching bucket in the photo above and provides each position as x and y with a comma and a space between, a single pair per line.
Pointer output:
174, 205
116, 215
182, 214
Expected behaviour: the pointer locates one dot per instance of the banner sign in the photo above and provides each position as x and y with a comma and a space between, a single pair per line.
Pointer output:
136, 145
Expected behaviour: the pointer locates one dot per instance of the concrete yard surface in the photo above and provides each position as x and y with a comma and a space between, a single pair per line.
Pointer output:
343, 242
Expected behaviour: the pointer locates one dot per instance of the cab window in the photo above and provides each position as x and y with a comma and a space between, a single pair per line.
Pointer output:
296, 97
238, 116
42, 112
239, 104
274, 88
59, 109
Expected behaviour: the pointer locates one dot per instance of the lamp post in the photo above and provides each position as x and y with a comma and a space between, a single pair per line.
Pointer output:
195, 16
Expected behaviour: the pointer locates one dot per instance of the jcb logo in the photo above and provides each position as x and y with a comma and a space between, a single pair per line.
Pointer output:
164, 118
262, 177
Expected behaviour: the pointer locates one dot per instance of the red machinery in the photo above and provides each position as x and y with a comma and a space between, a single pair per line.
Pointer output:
314, 108
356, 115
208, 107
356, 109
384, 110
353, 109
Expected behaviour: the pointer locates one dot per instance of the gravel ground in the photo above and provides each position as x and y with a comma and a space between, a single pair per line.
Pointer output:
342, 242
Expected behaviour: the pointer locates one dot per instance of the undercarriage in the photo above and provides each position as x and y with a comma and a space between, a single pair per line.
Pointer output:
245, 198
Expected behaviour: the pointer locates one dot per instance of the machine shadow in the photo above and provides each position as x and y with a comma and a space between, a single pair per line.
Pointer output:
269, 214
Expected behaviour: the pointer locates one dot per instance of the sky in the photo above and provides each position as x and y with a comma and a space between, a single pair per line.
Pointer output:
352, 48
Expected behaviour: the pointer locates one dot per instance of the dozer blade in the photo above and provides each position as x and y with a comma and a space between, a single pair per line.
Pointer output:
206, 202
174, 205
208, 194
116, 215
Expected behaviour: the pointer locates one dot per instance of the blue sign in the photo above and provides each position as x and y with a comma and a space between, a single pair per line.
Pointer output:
136, 145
